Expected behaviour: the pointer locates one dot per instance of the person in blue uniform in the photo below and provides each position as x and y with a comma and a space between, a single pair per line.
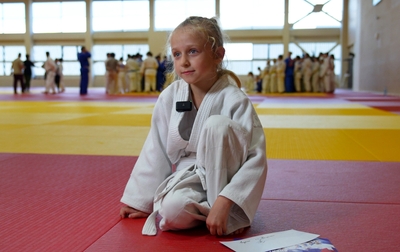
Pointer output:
289, 73
83, 58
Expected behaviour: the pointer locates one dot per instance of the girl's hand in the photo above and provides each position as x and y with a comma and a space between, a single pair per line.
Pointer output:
129, 212
217, 219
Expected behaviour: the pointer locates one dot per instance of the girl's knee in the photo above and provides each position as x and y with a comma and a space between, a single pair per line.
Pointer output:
178, 212
171, 206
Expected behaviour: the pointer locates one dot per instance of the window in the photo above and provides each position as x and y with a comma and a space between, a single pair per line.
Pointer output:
165, 19
121, 15
59, 17
313, 14
7, 55
12, 18
99, 54
252, 14
242, 58
71, 65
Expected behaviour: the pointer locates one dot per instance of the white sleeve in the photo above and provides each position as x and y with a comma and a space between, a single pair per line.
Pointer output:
153, 165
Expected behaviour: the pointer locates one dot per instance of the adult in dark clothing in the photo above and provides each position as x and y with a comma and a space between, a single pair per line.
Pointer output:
28, 64
289, 74
83, 58
160, 76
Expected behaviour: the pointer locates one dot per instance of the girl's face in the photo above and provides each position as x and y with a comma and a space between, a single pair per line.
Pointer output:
194, 60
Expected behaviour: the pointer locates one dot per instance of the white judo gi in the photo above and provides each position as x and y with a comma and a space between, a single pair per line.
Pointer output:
218, 150
280, 75
51, 68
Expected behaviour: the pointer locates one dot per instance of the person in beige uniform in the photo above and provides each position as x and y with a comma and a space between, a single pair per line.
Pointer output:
280, 74
307, 72
17, 67
273, 79
265, 84
297, 73
149, 70
111, 74
315, 75
133, 67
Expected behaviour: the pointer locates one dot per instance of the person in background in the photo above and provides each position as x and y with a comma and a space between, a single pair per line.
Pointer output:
324, 73
273, 82
331, 73
259, 79
280, 74
307, 68
266, 79
289, 74
17, 67
83, 58
50, 67
149, 70
160, 77
60, 70
57, 78
121, 86
111, 74
132, 66
315, 75
298, 73
250, 82
28, 64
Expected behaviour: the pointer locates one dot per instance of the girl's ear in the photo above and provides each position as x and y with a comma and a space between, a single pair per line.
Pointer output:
220, 53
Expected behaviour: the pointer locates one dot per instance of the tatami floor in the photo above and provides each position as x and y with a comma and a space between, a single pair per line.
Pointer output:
334, 170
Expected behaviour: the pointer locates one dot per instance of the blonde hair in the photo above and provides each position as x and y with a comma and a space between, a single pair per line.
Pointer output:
210, 29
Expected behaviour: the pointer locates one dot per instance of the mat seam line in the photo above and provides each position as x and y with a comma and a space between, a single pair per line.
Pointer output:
342, 202
102, 235
361, 145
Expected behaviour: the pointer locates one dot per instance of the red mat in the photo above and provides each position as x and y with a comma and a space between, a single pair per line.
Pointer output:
338, 181
350, 227
59, 202
71, 203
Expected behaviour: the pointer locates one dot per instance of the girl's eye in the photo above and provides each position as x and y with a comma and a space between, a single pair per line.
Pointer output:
176, 54
192, 51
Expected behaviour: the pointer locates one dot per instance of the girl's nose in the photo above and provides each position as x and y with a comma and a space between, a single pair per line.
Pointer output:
184, 61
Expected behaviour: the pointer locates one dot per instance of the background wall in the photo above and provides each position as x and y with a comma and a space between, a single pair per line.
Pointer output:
376, 36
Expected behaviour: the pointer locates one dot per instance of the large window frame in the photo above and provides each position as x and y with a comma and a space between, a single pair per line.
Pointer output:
252, 15
59, 17
118, 16
12, 18
165, 21
243, 58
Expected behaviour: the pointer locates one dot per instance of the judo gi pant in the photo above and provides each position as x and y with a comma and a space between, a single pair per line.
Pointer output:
83, 85
50, 82
185, 198
149, 82
134, 83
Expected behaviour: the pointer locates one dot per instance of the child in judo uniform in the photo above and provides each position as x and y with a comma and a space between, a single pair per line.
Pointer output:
204, 159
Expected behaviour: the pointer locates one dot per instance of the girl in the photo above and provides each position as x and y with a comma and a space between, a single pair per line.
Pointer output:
205, 127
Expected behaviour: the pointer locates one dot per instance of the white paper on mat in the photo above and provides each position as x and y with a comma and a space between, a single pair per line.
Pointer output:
266, 242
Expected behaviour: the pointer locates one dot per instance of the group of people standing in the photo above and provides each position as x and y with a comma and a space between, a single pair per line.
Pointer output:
136, 74
22, 72
301, 74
